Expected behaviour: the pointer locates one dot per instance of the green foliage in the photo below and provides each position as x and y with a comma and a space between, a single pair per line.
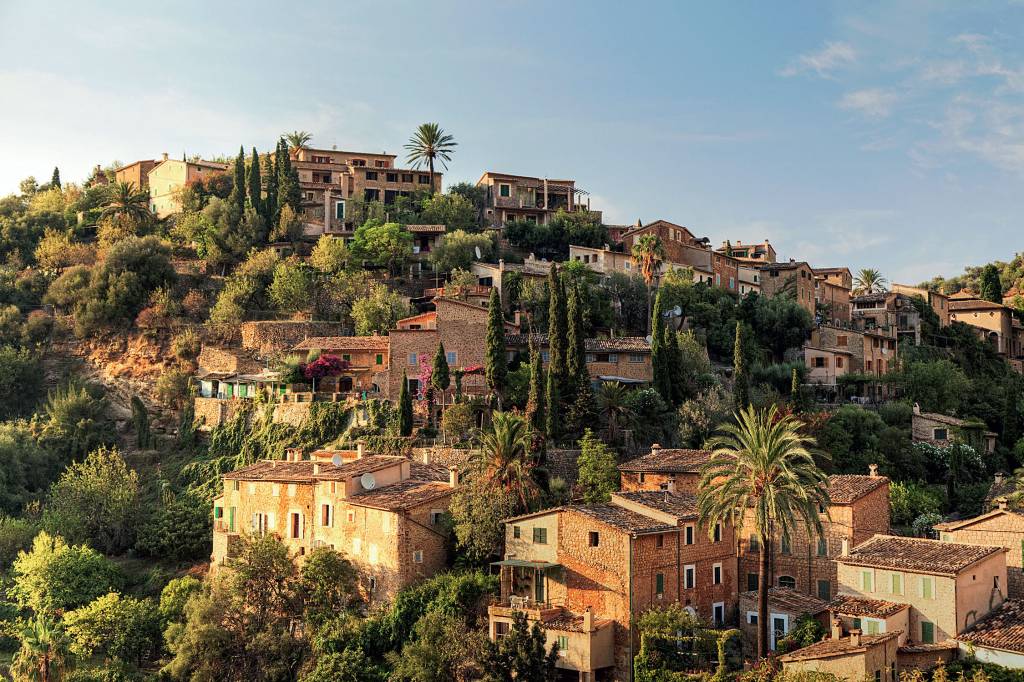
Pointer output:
991, 287
26, 469
178, 531
495, 363
350, 665
21, 381
15, 536
175, 596
55, 576
579, 228
379, 311
806, 631
557, 339
246, 289
908, 500
453, 210
937, 385
384, 244
95, 502
327, 583
458, 420
292, 287
440, 377
124, 629
521, 655
442, 648
598, 469
458, 249
74, 423
477, 510
330, 255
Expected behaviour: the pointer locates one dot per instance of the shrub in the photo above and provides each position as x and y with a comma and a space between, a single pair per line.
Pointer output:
179, 531
15, 536
175, 595
56, 576
38, 328
907, 501
187, 345
174, 387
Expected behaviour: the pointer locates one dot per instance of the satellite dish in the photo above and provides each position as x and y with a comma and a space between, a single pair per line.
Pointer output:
476, 249
649, 338
336, 460
367, 481
677, 311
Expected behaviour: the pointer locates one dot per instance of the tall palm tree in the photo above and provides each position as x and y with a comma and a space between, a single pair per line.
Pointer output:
428, 144
763, 465
868, 280
298, 139
126, 200
504, 458
44, 655
647, 254
614, 407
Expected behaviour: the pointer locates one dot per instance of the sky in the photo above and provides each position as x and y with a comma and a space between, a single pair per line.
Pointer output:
872, 134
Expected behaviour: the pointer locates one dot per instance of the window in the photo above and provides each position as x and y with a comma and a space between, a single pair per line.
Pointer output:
371, 175
235, 485
435, 517
927, 587
231, 519
350, 516
500, 629
540, 536
659, 540
856, 624
867, 581
927, 633
659, 584
878, 676
732, 283
940, 434
839, 361
643, 476
690, 577
688, 535
897, 583
406, 177
872, 626
717, 533
291, 490
786, 547
413, 359
373, 584
593, 538
295, 525
822, 547
379, 358
995, 582
718, 613
819, 362
424, 179
563, 644
842, 341
824, 590
339, 210
752, 617
517, 532
753, 545
417, 556
716, 574
636, 358
504, 190
787, 581
452, 357
380, 163
752, 581
326, 515
391, 177
275, 490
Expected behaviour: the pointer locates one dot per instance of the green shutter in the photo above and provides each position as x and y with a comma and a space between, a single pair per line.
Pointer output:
231, 519
659, 583
927, 633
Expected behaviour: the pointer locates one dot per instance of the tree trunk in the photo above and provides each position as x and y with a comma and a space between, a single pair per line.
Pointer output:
430, 164
648, 308
762, 598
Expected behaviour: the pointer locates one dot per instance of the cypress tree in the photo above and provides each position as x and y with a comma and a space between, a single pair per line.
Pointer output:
576, 350
794, 389
556, 353
270, 202
552, 400
496, 366
741, 387
674, 357
288, 193
256, 184
404, 408
440, 376
991, 286
237, 198
535, 401
55, 180
660, 361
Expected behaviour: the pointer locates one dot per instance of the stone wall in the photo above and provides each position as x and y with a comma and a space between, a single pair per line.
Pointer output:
268, 337
291, 413
212, 412
233, 360
1000, 530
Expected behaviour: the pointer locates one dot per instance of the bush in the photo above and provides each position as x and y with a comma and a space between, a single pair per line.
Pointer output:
174, 388
38, 328
55, 576
175, 595
122, 628
180, 531
15, 536
21, 382
907, 501
187, 345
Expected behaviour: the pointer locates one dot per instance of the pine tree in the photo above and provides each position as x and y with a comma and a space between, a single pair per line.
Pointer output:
256, 184
237, 198
535, 401
404, 408
741, 382
660, 361
55, 180
270, 202
440, 376
495, 365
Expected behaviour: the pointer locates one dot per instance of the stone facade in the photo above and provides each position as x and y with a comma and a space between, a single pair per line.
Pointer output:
228, 360
794, 276
169, 176
1001, 527
682, 248
268, 337
136, 173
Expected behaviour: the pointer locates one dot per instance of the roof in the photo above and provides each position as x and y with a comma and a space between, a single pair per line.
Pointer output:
921, 648
374, 342
872, 297
633, 344
791, 265
917, 554
947, 419
429, 472
859, 606
974, 304
838, 647
426, 229
568, 622
1002, 629
621, 518
403, 495
1000, 488
281, 470
964, 523
848, 488
680, 505
790, 600
669, 460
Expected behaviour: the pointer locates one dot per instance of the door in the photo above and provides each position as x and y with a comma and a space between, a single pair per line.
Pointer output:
538, 586
780, 627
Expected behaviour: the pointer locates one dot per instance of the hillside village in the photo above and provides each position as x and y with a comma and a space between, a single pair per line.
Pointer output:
312, 414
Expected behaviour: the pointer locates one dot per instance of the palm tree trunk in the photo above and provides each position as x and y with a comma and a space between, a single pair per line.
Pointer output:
648, 308
430, 164
762, 597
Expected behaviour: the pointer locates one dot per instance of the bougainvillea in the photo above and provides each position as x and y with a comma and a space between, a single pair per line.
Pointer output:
325, 366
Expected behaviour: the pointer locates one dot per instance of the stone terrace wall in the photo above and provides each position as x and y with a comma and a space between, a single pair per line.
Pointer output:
212, 412
266, 337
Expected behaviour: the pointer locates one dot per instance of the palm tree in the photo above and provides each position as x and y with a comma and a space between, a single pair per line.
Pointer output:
763, 464
298, 139
613, 405
44, 655
504, 458
868, 280
126, 200
647, 254
429, 143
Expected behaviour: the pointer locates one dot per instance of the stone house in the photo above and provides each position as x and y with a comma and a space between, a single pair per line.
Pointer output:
625, 359
858, 509
785, 608
826, 365
1001, 527
383, 512
795, 278
754, 254
890, 312
664, 469
136, 173
993, 322
942, 430
493, 274
948, 586
367, 356
461, 326
683, 249
832, 287
938, 301
613, 561
524, 197
999, 638
169, 176
854, 656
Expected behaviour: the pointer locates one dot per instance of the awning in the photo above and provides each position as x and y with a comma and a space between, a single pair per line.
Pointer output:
621, 380
523, 563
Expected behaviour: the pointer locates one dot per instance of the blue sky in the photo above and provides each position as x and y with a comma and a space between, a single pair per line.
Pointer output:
885, 134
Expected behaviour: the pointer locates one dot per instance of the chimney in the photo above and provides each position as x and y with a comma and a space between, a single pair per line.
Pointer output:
846, 547
453, 477
501, 265
671, 485
855, 637
837, 628
917, 409
165, 156
999, 478
273, 464
426, 455
316, 468
655, 449
873, 470
1002, 503
588, 620
359, 449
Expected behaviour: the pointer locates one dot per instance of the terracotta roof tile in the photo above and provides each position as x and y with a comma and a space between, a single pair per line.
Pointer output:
326, 343
849, 605
568, 622
680, 505
284, 471
917, 554
635, 344
404, 495
790, 600
1002, 629
920, 648
838, 647
623, 519
669, 460
848, 488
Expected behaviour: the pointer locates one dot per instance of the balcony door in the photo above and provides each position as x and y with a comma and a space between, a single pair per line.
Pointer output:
538, 586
